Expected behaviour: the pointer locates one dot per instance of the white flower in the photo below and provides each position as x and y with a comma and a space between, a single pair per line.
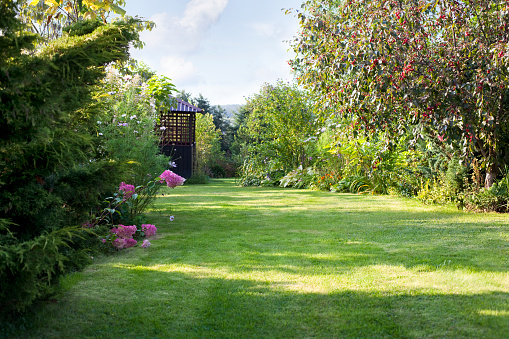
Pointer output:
100, 133
162, 128
123, 115
132, 117
99, 122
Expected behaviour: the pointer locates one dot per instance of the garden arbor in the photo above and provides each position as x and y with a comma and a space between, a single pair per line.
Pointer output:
178, 136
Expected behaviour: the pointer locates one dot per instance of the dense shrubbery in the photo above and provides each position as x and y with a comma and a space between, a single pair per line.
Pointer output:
208, 146
333, 156
362, 129
59, 164
126, 127
272, 137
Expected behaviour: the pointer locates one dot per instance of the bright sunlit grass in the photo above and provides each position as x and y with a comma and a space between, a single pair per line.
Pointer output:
273, 263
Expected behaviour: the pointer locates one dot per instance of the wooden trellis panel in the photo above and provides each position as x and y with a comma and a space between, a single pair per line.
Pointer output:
178, 128
177, 131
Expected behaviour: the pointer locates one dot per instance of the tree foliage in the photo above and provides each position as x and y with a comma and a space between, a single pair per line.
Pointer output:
278, 121
49, 18
437, 68
50, 179
208, 144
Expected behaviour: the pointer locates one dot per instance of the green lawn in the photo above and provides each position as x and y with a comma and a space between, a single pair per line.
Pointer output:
282, 263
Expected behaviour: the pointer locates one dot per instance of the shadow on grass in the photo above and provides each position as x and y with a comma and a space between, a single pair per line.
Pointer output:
263, 232
179, 305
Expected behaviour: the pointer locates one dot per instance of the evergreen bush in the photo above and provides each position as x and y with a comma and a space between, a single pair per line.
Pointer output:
52, 179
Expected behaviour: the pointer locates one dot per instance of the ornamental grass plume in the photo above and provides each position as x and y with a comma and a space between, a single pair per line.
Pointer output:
172, 180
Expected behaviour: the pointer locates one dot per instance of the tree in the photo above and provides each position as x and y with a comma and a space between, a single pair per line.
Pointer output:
278, 122
49, 17
208, 144
436, 67
51, 178
217, 112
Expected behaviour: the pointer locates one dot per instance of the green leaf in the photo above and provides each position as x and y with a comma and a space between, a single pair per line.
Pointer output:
117, 10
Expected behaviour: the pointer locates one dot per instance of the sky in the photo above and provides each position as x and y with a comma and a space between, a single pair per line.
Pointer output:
224, 49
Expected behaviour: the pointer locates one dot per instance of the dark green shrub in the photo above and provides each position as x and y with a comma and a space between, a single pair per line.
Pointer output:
493, 199
218, 171
27, 268
197, 178
51, 181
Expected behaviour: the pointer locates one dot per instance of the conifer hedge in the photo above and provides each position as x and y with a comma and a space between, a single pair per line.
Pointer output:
51, 179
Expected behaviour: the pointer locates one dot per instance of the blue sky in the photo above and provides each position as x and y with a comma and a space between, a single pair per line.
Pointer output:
223, 49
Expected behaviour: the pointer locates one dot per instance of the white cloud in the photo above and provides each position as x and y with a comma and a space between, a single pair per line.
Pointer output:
181, 70
177, 37
183, 34
265, 30
202, 14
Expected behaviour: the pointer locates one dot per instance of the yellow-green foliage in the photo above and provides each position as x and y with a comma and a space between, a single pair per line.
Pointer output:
208, 143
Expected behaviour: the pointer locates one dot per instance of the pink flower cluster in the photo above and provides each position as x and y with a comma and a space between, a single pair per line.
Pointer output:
127, 189
149, 230
124, 231
124, 236
172, 180
121, 243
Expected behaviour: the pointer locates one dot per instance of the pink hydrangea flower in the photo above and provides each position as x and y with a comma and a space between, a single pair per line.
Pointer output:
149, 230
130, 243
119, 243
172, 180
146, 243
127, 189
126, 232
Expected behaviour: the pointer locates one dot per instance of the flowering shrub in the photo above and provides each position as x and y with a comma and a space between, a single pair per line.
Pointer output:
172, 180
122, 237
326, 181
128, 190
127, 205
124, 231
148, 230
126, 130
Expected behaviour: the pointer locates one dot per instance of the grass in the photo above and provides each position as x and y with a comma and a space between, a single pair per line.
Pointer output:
274, 263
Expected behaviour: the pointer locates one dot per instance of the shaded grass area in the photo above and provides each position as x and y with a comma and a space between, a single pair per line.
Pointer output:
274, 263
